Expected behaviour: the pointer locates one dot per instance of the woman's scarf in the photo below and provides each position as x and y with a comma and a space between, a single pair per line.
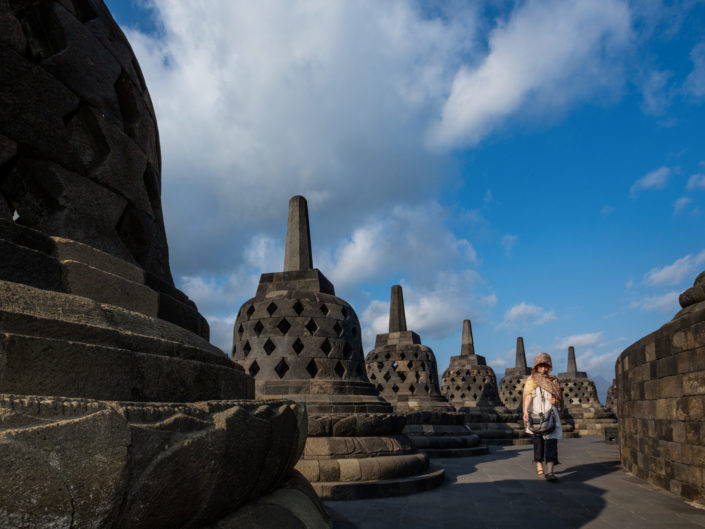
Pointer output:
549, 384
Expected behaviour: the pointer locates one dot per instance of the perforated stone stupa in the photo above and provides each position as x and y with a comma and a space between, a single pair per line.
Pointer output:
511, 387
299, 341
583, 409
471, 386
115, 411
405, 374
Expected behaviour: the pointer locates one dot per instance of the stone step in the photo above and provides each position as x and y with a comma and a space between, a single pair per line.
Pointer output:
43, 366
456, 452
338, 490
17, 323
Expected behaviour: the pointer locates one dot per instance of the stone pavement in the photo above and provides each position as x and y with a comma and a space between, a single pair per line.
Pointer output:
501, 490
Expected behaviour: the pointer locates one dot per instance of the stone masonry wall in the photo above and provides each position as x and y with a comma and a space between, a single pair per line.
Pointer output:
661, 406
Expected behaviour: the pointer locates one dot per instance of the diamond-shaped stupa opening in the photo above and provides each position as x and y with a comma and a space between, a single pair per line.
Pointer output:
281, 368
258, 328
298, 308
269, 347
284, 326
312, 368
254, 369
272, 308
326, 347
339, 369
298, 346
311, 326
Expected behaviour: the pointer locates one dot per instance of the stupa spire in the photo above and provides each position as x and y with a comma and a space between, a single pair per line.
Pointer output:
297, 255
520, 362
468, 347
397, 316
572, 365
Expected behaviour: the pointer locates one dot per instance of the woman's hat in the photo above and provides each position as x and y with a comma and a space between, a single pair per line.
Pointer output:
542, 358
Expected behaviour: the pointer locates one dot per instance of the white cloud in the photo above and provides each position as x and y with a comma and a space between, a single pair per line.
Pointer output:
525, 314
259, 101
606, 210
413, 240
677, 272
222, 331
666, 303
490, 300
695, 82
681, 203
579, 340
547, 54
508, 242
594, 362
696, 181
654, 180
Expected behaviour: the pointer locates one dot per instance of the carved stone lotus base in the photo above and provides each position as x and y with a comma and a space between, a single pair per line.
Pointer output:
79, 463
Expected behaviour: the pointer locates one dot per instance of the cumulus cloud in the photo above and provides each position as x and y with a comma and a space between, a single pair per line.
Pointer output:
508, 242
695, 82
579, 340
680, 270
409, 239
597, 362
546, 54
525, 314
260, 101
654, 180
666, 303
696, 181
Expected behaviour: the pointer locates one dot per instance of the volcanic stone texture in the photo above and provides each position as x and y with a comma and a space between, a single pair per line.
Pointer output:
79, 147
661, 401
611, 401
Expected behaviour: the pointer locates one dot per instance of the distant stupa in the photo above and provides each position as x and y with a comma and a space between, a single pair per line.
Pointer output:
511, 387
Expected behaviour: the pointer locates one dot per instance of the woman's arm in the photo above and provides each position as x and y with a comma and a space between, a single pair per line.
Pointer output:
528, 398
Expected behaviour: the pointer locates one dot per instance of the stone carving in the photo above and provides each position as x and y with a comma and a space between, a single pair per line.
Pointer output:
511, 387
471, 386
405, 373
583, 409
115, 411
299, 341
661, 398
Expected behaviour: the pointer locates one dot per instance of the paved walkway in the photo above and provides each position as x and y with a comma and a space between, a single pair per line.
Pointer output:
501, 490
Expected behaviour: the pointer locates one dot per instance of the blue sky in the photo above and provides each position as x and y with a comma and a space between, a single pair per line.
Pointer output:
537, 167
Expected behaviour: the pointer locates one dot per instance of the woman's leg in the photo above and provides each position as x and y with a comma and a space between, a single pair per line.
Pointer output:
551, 455
537, 440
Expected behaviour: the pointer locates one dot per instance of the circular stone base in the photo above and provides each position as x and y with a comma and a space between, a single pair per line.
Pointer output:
358, 490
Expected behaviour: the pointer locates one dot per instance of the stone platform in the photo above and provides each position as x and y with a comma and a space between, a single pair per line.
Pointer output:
500, 490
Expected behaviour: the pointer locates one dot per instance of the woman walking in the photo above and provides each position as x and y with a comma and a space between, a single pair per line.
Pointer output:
542, 396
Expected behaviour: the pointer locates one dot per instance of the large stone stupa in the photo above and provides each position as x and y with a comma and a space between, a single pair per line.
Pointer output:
115, 411
583, 409
301, 342
405, 373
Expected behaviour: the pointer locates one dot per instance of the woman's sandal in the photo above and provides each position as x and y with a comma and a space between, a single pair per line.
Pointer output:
551, 477
539, 472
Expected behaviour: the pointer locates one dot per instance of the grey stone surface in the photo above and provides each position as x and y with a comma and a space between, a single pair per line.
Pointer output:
501, 491
80, 131
661, 401
397, 315
572, 369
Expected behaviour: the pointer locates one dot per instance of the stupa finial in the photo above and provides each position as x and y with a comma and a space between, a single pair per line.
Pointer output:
520, 362
297, 255
397, 316
468, 347
572, 365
